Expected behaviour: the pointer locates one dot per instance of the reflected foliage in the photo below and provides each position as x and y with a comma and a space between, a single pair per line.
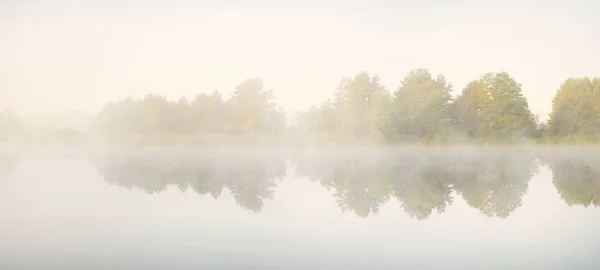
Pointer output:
250, 178
424, 190
358, 185
493, 184
576, 179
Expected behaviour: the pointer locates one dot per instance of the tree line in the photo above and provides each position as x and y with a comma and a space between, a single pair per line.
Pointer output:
249, 110
489, 109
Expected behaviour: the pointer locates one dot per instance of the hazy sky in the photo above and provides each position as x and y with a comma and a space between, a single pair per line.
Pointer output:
77, 55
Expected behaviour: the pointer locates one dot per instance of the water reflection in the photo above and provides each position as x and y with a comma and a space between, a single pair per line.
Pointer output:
387, 196
249, 179
576, 178
492, 183
421, 184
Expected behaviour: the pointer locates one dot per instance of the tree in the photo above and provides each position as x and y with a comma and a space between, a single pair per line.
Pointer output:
253, 108
180, 117
359, 104
493, 109
208, 113
468, 110
576, 110
420, 107
318, 120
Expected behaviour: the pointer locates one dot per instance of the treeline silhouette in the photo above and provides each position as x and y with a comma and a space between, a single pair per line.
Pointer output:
493, 182
250, 110
489, 109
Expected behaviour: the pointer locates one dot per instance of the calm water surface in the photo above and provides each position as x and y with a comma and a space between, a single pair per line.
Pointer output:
310, 209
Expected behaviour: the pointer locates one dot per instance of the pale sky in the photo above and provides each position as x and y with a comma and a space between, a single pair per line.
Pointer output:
77, 55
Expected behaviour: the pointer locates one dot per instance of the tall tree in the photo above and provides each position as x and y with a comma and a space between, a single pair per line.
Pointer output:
493, 109
253, 107
420, 107
468, 109
359, 103
576, 110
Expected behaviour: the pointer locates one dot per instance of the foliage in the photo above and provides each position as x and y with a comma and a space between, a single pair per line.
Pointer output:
420, 108
249, 111
423, 184
355, 111
493, 109
490, 109
576, 111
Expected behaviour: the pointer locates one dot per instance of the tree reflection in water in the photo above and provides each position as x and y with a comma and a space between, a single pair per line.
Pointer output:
493, 182
250, 179
576, 177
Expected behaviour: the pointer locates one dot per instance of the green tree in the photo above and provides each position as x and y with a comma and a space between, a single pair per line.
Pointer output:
359, 104
420, 108
468, 110
576, 110
493, 109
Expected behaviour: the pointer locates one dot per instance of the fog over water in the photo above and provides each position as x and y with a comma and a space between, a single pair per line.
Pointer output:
299, 134
283, 208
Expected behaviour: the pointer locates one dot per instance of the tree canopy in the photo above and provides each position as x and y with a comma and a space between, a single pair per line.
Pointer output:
493, 109
422, 109
576, 110
250, 110
419, 108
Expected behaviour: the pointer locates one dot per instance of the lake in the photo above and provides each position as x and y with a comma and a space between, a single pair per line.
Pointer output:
334, 208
